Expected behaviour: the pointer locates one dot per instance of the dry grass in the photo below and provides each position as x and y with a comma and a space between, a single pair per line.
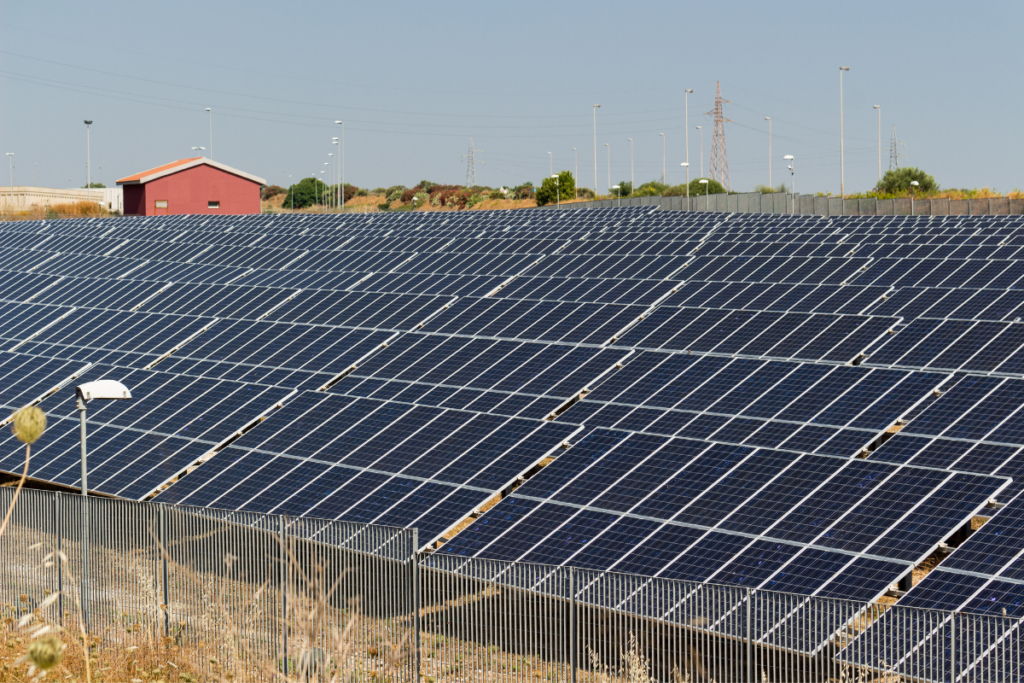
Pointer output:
51, 211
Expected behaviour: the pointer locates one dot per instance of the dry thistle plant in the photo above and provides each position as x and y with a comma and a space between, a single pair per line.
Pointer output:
28, 425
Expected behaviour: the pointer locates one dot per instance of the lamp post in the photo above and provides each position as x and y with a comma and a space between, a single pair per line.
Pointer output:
632, 180
10, 163
686, 165
551, 164
769, 120
913, 186
879, 108
842, 167
608, 149
701, 149
558, 196
618, 194
704, 182
342, 124
88, 160
662, 158
337, 174
101, 390
332, 177
686, 96
292, 191
596, 107
210, 112
792, 178
576, 178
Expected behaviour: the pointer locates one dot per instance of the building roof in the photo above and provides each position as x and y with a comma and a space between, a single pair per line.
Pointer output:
182, 165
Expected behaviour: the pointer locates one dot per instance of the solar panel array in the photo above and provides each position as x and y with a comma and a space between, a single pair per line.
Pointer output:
785, 402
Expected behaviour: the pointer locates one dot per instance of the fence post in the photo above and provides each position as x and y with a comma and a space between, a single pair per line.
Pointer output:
952, 648
58, 557
165, 588
573, 664
750, 639
282, 539
415, 560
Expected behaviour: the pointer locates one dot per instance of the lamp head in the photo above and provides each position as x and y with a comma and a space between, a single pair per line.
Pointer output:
688, 90
596, 106
703, 181
767, 118
103, 389
88, 123
788, 157
615, 187
685, 163
207, 109
340, 122
914, 183
877, 106
844, 68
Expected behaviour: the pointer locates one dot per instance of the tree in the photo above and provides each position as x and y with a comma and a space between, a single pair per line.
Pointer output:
898, 181
306, 192
94, 186
625, 188
549, 192
713, 187
650, 189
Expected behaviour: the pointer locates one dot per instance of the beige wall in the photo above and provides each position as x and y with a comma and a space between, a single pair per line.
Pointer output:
25, 197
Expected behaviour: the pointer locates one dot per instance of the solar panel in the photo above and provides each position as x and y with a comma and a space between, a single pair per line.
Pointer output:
366, 460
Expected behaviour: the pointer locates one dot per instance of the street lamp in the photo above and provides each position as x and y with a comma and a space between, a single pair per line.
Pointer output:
707, 189
769, 120
100, 390
701, 149
686, 96
210, 112
337, 173
558, 196
913, 185
342, 124
88, 160
198, 149
879, 108
662, 158
609, 150
551, 164
576, 178
596, 107
333, 176
618, 194
10, 160
792, 178
842, 167
686, 165
632, 180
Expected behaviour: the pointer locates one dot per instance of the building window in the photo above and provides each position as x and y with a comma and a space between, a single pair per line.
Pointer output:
160, 204
212, 205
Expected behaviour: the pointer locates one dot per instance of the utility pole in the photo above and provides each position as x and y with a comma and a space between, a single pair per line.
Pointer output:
596, 107
471, 164
769, 120
719, 168
842, 166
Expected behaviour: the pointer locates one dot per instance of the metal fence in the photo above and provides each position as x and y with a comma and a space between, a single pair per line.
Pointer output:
265, 597
782, 203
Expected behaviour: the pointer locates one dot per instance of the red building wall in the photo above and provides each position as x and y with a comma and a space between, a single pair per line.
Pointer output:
190, 191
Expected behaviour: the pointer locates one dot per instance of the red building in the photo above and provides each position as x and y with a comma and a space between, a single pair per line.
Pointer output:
191, 186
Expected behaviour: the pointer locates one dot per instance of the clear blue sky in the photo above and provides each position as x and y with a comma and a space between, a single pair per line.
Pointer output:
414, 81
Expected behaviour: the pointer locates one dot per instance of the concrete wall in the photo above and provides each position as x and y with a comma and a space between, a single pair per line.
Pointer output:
753, 202
190, 192
25, 197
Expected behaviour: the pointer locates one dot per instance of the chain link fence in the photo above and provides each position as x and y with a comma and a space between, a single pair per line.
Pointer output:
249, 596
781, 203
